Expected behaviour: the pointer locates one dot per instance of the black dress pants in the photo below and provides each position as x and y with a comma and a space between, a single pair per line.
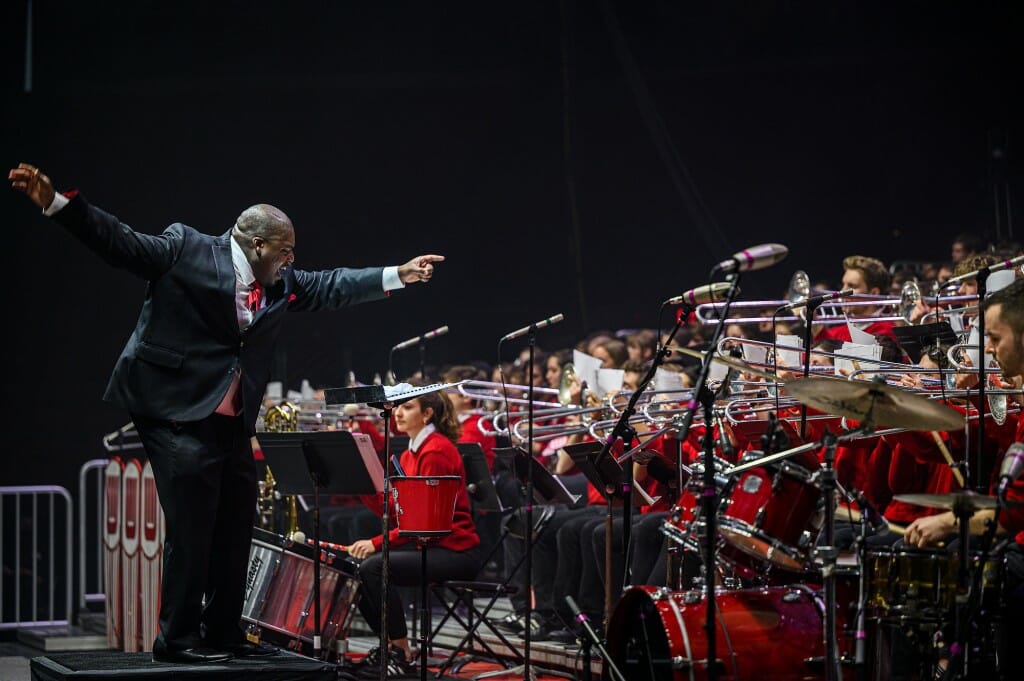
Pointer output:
206, 479
405, 569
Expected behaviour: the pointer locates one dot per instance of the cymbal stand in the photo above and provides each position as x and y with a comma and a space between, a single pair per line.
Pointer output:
828, 555
860, 631
968, 587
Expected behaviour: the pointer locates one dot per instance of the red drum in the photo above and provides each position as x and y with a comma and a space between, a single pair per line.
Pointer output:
279, 592
425, 504
771, 512
773, 634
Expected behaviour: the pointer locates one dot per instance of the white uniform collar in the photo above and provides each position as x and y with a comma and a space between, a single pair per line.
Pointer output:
417, 442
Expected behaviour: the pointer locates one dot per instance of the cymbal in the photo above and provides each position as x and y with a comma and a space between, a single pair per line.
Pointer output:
971, 499
881, 404
731, 362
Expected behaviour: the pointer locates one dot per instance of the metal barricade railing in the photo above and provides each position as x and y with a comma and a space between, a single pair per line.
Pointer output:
90, 533
28, 542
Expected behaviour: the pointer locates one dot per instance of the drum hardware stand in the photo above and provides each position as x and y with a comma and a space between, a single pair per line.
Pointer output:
968, 587
592, 640
828, 557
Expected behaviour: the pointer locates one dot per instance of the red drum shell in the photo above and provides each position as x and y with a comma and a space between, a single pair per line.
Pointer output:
771, 634
425, 504
771, 512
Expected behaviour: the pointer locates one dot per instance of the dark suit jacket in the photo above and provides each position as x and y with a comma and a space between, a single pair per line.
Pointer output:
180, 359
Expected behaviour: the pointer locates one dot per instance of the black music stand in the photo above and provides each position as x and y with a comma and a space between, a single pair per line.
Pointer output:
337, 462
547, 491
479, 484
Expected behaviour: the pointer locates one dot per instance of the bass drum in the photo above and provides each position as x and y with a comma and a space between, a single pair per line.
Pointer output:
766, 634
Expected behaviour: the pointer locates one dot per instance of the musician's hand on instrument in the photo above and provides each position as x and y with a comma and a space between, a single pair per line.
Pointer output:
33, 183
930, 530
361, 549
420, 268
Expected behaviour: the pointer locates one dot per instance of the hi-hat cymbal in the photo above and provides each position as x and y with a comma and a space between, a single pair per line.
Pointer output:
731, 362
881, 404
970, 500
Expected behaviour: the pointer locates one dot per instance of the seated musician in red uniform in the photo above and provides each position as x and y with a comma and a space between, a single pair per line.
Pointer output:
1004, 320
430, 423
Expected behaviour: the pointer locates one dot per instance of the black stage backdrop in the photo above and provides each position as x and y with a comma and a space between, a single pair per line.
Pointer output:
588, 158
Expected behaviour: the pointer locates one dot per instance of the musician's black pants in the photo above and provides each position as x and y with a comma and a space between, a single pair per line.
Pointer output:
206, 479
404, 569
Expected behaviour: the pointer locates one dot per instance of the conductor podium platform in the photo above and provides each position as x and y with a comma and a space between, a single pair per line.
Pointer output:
140, 666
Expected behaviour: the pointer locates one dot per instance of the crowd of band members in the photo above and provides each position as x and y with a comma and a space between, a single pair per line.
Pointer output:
569, 550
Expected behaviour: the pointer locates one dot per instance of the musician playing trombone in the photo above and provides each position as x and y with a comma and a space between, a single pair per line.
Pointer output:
864, 275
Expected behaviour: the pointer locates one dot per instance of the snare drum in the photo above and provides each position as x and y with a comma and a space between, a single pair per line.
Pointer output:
921, 584
766, 634
772, 512
425, 504
279, 592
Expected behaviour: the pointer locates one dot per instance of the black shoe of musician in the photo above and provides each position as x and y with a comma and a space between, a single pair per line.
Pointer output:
199, 655
564, 636
397, 666
511, 622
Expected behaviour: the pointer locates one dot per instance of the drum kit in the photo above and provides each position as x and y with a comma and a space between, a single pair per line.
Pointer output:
897, 610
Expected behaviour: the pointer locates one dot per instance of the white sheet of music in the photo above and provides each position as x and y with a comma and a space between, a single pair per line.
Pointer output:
370, 460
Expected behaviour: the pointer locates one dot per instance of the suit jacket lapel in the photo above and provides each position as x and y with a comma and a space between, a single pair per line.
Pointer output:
226, 276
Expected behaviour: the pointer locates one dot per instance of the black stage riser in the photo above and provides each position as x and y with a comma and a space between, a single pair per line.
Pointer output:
285, 666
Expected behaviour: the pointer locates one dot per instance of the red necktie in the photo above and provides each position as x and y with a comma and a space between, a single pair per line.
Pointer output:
255, 295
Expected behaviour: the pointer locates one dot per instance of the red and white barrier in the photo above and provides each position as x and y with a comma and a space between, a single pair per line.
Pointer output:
151, 563
130, 529
112, 550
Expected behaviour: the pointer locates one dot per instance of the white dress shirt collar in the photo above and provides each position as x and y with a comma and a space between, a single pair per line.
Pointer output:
417, 441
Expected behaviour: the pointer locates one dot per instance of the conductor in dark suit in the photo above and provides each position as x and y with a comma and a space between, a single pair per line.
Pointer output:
192, 376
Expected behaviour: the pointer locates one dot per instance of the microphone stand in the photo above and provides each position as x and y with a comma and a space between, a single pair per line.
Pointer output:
593, 640
623, 431
709, 495
808, 337
976, 470
384, 642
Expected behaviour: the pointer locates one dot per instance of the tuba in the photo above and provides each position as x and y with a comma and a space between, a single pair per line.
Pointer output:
281, 418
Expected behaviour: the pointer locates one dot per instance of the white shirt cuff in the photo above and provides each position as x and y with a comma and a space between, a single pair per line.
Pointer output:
391, 279
59, 201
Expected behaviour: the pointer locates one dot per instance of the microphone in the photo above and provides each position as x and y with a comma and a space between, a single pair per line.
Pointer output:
419, 339
548, 321
815, 301
753, 258
996, 267
875, 519
709, 293
1011, 468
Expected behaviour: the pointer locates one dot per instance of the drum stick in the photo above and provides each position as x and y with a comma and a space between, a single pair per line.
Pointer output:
949, 457
329, 545
855, 515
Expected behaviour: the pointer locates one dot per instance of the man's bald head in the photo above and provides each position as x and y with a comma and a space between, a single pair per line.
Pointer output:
267, 238
263, 220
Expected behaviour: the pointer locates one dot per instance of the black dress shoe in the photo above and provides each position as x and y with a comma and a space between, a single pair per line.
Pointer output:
190, 655
247, 649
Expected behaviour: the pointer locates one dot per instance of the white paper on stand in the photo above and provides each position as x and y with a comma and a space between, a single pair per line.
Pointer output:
845, 367
790, 358
586, 367
609, 381
859, 336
